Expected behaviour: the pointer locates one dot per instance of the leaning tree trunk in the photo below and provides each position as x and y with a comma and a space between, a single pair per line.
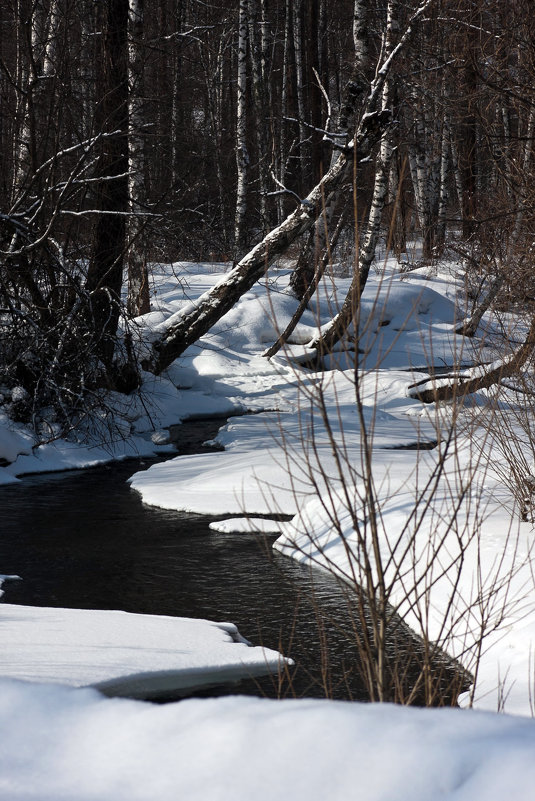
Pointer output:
457, 385
337, 328
188, 325
321, 266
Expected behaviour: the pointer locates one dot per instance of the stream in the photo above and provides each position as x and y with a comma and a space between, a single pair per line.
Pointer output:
84, 539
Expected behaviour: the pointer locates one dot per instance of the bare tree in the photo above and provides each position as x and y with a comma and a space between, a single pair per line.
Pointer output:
200, 316
138, 279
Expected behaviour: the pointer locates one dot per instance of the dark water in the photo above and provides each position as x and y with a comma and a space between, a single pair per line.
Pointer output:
84, 539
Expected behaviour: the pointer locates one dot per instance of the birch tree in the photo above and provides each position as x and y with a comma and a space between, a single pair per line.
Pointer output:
138, 279
190, 324
348, 313
242, 154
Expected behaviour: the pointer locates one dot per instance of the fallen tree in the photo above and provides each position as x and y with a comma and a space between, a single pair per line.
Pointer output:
455, 386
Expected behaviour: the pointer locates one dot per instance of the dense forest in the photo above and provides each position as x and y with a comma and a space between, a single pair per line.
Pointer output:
236, 131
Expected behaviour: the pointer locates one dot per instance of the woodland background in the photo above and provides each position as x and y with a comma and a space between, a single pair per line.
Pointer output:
190, 130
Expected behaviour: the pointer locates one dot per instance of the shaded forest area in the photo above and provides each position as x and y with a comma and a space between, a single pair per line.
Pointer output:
233, 131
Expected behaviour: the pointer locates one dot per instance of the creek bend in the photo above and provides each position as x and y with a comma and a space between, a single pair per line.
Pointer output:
84, 539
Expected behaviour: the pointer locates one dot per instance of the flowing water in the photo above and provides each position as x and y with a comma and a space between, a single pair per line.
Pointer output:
84, 539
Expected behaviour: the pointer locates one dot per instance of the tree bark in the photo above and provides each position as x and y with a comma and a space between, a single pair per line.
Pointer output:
242, 155
138, 279
457, 386
105, 273
188, 325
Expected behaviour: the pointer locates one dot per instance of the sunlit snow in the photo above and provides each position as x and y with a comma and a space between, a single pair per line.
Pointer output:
297, 455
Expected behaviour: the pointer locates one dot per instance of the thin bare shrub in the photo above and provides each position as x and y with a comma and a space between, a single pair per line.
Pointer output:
408, 544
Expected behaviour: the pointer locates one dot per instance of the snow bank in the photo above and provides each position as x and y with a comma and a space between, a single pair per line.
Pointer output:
74, 745
139, 656
283, 460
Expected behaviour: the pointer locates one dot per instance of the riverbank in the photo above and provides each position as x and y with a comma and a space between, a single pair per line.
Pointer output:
466, 552
467, 535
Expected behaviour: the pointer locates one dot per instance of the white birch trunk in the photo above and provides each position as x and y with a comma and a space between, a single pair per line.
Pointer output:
284, 105
299, 81
443, 197
455, 165
242, 156
138, 282
36, 68
361, 35
258, 66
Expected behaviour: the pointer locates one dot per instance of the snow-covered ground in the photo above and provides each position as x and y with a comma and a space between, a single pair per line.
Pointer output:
301, 458
61, 744
123, 654
302, 454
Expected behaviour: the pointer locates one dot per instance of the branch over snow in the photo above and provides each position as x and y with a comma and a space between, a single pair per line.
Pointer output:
457, 385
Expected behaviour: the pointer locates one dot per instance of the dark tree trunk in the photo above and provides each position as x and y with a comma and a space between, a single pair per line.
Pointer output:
105, 274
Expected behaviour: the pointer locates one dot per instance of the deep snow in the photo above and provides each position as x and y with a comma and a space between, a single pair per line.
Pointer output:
63, 745
77, 745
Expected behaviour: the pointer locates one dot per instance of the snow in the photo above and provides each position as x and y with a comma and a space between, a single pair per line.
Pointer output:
64, 745
247, 525
4, 578
120, 653
284, 462
301, 453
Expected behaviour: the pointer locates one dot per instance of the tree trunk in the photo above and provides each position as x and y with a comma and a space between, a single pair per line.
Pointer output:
138, 279
104, 278
321, 266
336, 329
456, 386
257, 50
188, 325
242, 155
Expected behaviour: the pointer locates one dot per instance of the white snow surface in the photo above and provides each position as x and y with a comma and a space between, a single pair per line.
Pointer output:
247, 525
139, 656
65, 745
75, 744
284, 461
